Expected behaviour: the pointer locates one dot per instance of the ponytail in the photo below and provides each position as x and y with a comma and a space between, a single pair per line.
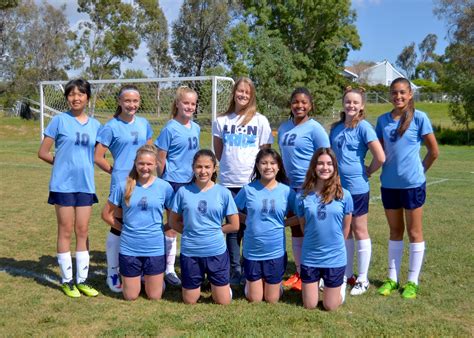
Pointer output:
407, 115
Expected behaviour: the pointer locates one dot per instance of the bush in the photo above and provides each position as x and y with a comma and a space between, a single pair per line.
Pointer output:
451, 136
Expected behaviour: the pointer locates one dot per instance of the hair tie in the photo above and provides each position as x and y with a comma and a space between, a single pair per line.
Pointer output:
128, 90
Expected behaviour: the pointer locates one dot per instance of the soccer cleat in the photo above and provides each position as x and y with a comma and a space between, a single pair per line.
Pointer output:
172, 278
352, 280
86, 289
114, 284
321, 285
387, 287
297, 286
70, 289
291, 280
410, 290
343, 291
360, 288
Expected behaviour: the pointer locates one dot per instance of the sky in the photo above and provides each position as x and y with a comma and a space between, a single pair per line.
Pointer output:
385, 27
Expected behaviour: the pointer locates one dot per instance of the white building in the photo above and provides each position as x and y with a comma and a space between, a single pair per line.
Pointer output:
381, 73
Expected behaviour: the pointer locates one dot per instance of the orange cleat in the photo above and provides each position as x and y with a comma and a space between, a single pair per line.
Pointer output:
292, 280
297, 286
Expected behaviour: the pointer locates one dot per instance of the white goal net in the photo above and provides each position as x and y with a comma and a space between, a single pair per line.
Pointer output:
157, 95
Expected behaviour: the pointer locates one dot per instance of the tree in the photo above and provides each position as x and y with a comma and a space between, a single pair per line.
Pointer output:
153, 27
427, 47
198, 36
318, 35
458, 77
110, 36
407, 60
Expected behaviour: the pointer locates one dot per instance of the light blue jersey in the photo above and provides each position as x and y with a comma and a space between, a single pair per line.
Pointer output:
73, 168
123, 140
350, 146
403, 168
297, 146
142, 230
264, 236
323, 242
203, 212
181, 144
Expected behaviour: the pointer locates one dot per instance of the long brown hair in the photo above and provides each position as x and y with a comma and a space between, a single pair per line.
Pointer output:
180, 92
361, 115
332, 187
408, 114
249, 111
123, 89
133, 175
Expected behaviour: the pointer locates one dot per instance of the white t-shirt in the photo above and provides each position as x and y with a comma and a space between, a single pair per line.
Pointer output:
240, 146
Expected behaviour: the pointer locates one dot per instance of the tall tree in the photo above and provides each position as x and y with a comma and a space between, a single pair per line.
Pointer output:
407, 60
458, 77
106, 39
153, 27
318, 34
198, 35
427, 47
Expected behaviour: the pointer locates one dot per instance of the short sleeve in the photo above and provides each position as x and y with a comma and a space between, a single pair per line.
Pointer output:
164, 139
105, 136
266, 136
367, 132
291, 202
379, 128
241, 199
216, 129
168, 196
176, 205
52, 129
149, 130
425, 127
348, 203
230, 207
320, 138
299, 205
116, 196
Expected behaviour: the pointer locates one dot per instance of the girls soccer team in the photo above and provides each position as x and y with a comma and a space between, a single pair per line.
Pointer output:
327, 190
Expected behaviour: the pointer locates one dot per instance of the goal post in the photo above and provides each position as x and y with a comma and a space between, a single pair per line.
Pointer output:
157, 95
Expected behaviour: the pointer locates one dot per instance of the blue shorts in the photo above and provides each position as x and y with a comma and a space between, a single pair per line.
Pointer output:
193, 270
270, 270
404, 198
133, 266
176, 185
361, 204
332, 277
72, 199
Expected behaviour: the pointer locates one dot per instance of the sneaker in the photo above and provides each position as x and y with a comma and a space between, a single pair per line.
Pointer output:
172, 278
359, 288
114, 284
343, 291
352, 280
86, 289
292, 280
410, 290
387, 287
297, 286
70, 289
321, 285
235, 278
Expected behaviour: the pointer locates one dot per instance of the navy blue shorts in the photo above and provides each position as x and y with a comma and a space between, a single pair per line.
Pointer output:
133, 266
176, 185
270, 270
404, 198
72, 199
361, 204
193, 270
332, 277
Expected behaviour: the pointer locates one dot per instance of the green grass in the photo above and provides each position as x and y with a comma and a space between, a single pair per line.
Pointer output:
32, 305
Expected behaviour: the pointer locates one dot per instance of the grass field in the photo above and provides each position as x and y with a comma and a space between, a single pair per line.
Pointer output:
32, 303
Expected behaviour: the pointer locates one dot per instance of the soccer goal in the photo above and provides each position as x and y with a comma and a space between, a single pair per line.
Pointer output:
157, 95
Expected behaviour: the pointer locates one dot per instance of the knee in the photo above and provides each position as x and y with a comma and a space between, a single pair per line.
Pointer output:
415, 235
254, 299
310, 305
272, 299
331, 306
129, 296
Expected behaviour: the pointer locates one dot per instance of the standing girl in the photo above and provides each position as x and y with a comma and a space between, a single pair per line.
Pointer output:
203, 204
351, 137
238, 136
324, 209
142, 246
123, 135
403, 180
298, 138
177, 144
264, 203
72, 188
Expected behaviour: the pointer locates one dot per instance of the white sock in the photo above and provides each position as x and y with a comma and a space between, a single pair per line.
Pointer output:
350, 257
364, 252
297, 245
65, 266
170, 253
112, 249
395, 253
82, 266
417, 251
